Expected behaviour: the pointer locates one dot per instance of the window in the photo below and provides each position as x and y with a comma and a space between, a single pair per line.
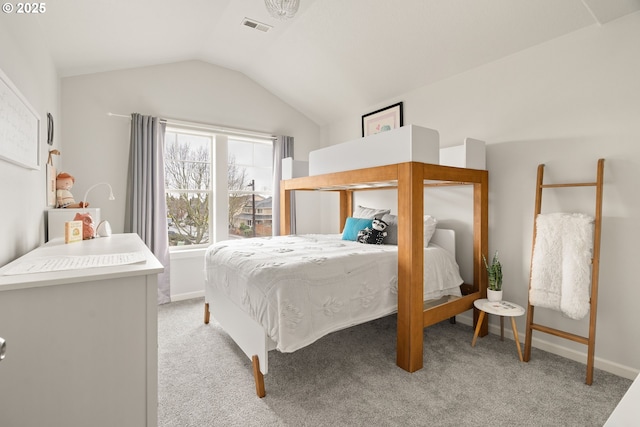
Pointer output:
194, 194
188, 187
250, 192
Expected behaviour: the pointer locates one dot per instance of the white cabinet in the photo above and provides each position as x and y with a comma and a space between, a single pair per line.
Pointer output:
81, 344
627, 412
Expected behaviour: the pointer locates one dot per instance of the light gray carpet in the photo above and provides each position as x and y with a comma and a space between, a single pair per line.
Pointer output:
350, 378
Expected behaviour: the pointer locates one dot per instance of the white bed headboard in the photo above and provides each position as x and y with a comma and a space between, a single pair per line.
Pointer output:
446, 239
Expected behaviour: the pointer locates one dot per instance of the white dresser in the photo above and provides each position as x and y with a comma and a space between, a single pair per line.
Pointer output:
627, 412
81, 344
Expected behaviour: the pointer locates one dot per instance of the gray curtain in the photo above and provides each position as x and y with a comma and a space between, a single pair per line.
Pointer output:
282, 147
146, 210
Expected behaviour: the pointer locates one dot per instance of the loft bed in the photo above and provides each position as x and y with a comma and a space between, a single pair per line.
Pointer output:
410, 179
413, 164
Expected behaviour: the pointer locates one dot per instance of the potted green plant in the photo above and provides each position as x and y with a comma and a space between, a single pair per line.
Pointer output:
494, 272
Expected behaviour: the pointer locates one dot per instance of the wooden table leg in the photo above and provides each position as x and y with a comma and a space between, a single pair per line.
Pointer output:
501, 328
478, 326
515, 336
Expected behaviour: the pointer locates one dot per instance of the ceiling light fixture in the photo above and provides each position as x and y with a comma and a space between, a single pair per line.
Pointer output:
282, 9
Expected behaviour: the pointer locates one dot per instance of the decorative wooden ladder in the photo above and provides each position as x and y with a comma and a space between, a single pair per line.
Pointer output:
590, 340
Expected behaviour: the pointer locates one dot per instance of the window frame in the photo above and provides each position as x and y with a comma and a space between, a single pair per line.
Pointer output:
209, 191
218, 163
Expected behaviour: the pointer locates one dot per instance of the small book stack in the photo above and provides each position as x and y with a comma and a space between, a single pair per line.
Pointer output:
502, 306
72, 231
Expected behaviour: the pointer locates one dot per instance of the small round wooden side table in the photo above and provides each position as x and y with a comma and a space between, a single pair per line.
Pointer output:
502, 309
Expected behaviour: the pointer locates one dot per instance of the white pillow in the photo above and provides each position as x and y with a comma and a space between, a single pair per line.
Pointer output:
369, 213
429, 228
430, 224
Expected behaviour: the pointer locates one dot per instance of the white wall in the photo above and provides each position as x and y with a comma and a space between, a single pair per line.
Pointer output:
564, 103
97, 146
27, 63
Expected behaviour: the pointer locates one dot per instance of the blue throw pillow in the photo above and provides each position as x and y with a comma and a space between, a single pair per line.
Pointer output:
352, 227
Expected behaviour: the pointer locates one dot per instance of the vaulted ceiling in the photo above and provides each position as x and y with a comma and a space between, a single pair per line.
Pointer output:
333, 57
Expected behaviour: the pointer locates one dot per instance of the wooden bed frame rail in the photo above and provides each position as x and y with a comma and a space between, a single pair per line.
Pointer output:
448, 309
409, 178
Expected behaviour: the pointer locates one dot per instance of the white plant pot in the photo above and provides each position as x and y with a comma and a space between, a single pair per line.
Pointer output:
494, 295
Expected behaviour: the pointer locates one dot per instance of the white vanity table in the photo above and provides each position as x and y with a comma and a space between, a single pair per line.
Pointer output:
81, 344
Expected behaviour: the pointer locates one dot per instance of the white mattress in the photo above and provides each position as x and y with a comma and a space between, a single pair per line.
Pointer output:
300, 288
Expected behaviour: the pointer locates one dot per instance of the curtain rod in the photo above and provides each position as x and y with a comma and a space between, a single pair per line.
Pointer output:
205, 126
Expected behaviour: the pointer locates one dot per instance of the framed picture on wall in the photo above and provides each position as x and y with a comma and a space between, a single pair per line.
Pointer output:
19, 127
382, 120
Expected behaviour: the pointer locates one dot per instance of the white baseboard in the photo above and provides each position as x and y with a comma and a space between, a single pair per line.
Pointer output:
188, 295
578, 356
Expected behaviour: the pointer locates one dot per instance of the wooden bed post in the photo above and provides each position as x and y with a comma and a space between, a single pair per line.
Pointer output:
285, 211
409, 350
480, 244
346, 206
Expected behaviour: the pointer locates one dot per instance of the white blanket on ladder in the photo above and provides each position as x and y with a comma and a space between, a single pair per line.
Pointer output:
561, 263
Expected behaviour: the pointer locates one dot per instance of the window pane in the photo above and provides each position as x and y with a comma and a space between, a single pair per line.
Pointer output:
199, 143
250, 189
187, 161
188, 218
263, 155
247, 219
241, 151
263, 179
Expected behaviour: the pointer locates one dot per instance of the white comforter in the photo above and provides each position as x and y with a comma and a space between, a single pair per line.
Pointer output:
300, 288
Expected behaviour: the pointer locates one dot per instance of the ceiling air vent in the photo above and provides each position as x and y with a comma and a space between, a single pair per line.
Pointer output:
256, 25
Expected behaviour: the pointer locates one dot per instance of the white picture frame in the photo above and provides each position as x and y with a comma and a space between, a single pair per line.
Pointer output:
19, 127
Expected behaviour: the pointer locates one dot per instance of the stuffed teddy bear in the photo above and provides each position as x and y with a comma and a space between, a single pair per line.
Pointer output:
374, 235
64, 198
